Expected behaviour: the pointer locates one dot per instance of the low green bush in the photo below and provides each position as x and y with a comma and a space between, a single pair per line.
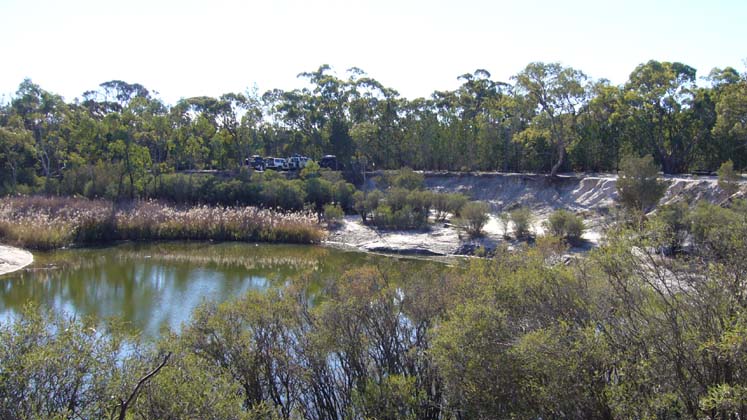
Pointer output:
448, 203
522, 221
565, 224
333, 214
474, 216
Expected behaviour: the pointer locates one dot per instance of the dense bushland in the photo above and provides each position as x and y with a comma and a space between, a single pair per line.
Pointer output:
626, 333
118, 139
401, 202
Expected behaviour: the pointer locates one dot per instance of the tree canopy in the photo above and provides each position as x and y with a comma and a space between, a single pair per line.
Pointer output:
548, 118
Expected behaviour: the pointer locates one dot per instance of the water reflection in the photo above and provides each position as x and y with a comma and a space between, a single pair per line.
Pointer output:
156, 285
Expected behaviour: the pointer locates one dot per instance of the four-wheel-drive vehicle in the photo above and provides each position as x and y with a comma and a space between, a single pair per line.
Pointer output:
330, 162
257, 162
297, 161
277, 164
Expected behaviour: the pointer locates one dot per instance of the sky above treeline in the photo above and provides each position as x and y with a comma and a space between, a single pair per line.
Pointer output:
184, 48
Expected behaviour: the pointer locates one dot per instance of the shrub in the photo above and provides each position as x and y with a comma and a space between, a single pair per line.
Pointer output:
343, 195
318, 192
638, 184
716, 230
728, 179
564, 224
333, 214
284, 194
365, 204
504, 219
448, 203
672, 225
407, 179
474, 216
522, 220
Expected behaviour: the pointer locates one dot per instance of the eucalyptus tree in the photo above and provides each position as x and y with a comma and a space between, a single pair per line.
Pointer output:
600, 130
43, 114
660, 99
375, 110
16, 151
559, 95
730, 128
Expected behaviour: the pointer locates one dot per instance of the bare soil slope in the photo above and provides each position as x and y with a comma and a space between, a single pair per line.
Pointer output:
591, 195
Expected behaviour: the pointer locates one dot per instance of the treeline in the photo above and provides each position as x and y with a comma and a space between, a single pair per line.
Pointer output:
625, 333
549, 118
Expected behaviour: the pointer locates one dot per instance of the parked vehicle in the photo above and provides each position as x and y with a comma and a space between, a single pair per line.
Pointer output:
276, 164
330, 162
297, 162
257, 162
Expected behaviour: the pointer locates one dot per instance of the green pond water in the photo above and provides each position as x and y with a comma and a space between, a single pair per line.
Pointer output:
152, 286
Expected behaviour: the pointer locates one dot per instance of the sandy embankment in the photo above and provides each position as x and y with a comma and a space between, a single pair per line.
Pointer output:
592, 196
12, 259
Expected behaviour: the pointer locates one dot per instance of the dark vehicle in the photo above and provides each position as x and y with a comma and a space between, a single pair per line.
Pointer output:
330, 162
257, 162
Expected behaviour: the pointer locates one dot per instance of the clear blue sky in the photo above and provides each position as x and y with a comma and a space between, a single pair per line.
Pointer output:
189, 48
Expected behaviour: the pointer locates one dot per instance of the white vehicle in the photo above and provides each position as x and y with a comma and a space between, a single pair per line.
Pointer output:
277, 164
297, 162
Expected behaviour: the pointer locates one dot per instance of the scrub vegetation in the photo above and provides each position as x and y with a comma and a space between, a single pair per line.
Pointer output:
119, 140
652, 324
628, 332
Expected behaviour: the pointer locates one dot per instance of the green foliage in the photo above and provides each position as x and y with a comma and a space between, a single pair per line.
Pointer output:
366, 203
401, 209
672, 226
333, 214
448, 203
566, 225
638, 185
285, 194
343, 194
521, 218
728, 179
474, 216
318, 192
504, 218
553, 118
407, 179
624, 333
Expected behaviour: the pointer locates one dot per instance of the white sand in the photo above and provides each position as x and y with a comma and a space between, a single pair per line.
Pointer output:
12, 259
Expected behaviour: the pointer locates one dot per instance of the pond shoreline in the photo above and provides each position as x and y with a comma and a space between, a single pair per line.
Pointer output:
14, 259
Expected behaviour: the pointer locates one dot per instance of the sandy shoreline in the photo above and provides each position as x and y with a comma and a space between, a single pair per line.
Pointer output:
13, 259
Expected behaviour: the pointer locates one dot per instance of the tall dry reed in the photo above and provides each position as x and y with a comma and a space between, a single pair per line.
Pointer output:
48, 223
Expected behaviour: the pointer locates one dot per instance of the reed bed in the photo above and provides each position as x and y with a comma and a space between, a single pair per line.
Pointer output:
55, 222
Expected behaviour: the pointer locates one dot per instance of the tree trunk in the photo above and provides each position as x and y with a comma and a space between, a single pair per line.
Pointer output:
561, 160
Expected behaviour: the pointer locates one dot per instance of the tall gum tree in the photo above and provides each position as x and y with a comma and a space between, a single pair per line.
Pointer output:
659, 97
559, 94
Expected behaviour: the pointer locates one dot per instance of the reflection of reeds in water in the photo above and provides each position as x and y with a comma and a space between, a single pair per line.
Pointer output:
248, 261
48, 223
244, 256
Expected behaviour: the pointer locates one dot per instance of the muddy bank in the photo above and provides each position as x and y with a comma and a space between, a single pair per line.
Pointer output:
12, 259
591, 196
